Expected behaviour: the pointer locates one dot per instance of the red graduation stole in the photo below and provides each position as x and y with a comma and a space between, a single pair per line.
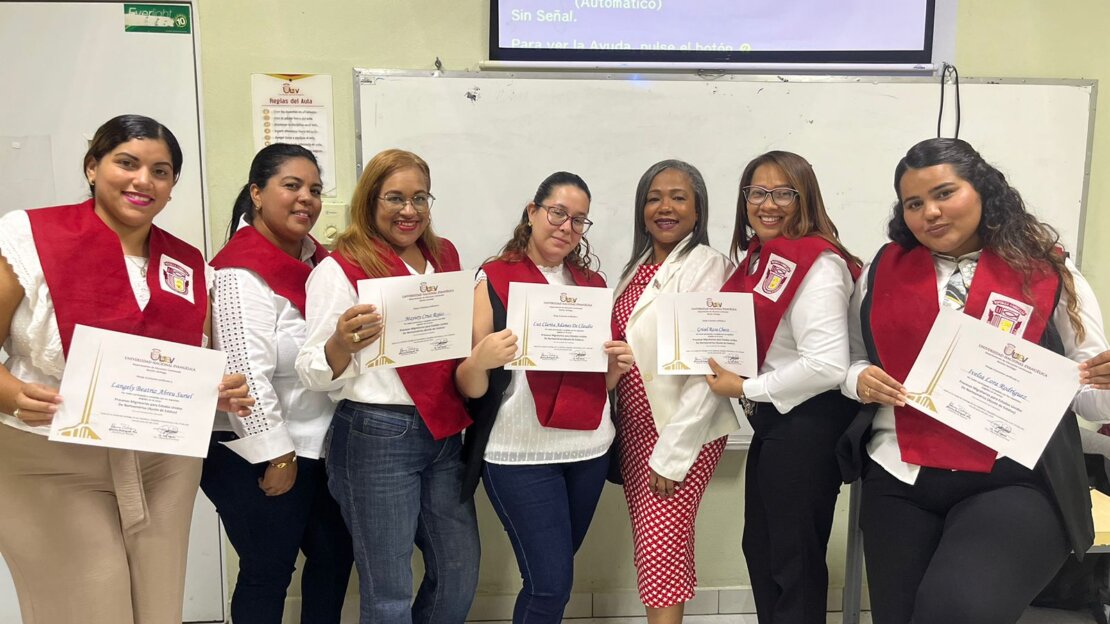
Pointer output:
84, 268
904, 305
783, 264
284, 274
431, 385
564, 400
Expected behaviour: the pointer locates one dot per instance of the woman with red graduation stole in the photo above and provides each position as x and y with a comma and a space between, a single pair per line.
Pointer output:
540, 440
94, 535
265, 471
801, 278
672, 427
954, 533
394, 447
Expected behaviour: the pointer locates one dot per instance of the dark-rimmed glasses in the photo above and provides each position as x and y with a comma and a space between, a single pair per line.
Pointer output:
782, 196
557, 215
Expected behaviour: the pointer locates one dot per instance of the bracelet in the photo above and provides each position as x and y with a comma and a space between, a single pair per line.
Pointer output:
284, 463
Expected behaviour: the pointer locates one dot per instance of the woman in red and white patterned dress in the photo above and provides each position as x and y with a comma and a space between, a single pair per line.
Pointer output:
672, 428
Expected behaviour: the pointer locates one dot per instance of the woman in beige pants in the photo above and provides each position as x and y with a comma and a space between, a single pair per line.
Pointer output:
90, 534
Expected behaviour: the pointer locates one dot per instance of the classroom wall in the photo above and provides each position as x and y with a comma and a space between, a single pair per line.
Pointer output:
1025, 38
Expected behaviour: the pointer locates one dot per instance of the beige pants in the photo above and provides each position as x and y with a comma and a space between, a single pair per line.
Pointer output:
63, 513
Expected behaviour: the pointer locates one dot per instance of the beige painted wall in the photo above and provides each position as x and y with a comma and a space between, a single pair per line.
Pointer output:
1028, 38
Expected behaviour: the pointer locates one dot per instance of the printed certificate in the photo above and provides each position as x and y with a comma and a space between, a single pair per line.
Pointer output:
427, 318
997, 389
693, 327
560, 328
130, 392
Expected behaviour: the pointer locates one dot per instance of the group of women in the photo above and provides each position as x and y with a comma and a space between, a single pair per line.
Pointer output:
322, 455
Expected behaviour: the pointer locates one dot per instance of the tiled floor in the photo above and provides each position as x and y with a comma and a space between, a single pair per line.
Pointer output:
1032, 616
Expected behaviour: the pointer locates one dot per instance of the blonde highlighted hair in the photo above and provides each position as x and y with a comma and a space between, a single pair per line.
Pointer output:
361, 242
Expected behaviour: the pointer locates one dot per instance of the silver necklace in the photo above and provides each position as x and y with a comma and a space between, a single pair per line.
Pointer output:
139, 263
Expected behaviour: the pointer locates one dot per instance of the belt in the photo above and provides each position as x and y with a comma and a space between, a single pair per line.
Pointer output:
130, 495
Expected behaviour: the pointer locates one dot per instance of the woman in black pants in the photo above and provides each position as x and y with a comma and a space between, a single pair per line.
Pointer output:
952, 532
265, 471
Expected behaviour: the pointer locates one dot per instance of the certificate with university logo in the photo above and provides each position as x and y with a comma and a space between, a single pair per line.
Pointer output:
427, 318
992, 386
131, 392
560, 328
693, 327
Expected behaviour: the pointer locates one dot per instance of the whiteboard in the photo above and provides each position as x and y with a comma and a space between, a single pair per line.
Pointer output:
491, 138
67, 68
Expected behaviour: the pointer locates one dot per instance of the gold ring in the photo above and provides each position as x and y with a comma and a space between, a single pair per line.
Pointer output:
866, 392
16, 414
355, 337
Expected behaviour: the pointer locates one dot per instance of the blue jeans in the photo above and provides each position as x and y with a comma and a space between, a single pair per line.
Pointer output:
267, 532
398, 486
546, 510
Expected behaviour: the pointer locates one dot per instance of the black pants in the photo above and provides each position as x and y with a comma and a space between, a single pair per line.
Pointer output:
958, 547
790, 490
268, 531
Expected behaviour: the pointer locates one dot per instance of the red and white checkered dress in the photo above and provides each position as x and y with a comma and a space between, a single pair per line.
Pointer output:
662, 528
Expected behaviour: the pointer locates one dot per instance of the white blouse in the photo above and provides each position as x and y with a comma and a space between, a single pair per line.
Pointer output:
518, 437
809, 351
261, 332
34, 346
329, 295
1091, 404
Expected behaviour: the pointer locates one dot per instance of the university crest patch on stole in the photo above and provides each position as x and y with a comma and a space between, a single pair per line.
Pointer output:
1009, 315
176, 277
775, 276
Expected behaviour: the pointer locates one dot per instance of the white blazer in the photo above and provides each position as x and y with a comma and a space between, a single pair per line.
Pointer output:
686, 412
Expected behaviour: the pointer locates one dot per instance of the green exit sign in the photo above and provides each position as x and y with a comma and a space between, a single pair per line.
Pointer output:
157, 18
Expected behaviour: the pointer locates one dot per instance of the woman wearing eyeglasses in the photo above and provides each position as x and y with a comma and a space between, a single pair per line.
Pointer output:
540, 440
954, 532
393, 450
801, 278
672, 428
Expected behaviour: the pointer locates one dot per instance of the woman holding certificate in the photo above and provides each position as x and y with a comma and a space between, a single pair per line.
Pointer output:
801, 278
95, 534
265, 472
540, 440
953, 531
672, 427
393, 455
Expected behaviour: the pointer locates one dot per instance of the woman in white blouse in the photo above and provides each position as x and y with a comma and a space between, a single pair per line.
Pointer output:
801, 277
96, 535
540, 440
953, 531
393, 451
672, 428
265, 472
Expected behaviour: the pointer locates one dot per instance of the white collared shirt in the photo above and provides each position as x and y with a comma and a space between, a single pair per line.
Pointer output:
261, 332
329, 295
1091, 404
809, 351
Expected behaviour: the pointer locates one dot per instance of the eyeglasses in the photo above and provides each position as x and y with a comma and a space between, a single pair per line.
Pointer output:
420, 203
782, 196
557, 215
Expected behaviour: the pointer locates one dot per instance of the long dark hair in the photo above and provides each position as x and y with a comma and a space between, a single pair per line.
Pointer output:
641, 240
810, 217
264, 166
580, 257
121, 129
1005, 226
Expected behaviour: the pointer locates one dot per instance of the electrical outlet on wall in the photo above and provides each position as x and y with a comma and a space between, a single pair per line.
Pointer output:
333, 220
